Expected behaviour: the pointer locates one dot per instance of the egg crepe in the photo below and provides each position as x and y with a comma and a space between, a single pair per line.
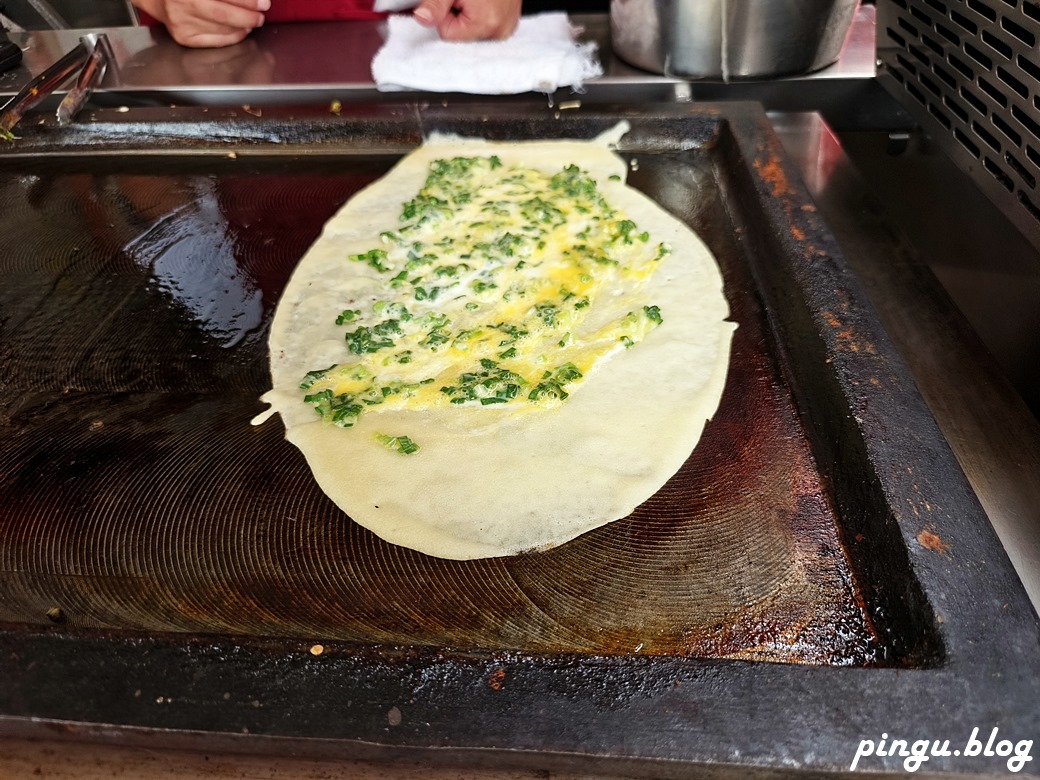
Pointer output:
497, 347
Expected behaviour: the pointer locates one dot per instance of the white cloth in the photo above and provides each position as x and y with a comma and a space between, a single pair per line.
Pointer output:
540, 56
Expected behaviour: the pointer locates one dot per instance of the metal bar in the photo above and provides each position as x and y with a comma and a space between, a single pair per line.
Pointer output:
50, 16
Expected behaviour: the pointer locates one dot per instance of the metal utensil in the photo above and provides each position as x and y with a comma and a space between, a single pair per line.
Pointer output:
42, 85
89, 77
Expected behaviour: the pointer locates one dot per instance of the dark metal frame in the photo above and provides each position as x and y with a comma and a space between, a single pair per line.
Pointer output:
931, 566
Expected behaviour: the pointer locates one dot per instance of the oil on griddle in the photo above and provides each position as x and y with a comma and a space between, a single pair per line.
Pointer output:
135, 494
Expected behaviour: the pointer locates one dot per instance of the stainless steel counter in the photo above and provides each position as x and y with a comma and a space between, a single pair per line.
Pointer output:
305, 63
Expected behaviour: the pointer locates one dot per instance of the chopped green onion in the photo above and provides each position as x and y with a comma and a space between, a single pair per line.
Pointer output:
313, 376
400, 444
374, 258
364, 340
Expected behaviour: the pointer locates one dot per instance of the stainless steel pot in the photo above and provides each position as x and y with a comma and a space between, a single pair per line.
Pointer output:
730, 39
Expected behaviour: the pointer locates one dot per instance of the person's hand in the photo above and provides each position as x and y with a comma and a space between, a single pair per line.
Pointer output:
207, 23
470, 20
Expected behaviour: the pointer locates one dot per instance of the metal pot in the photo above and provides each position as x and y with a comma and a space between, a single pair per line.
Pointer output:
730, 39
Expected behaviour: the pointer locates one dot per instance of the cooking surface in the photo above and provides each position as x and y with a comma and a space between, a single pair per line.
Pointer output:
136, 495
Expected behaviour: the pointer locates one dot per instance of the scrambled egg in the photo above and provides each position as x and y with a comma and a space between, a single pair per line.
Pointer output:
503, 287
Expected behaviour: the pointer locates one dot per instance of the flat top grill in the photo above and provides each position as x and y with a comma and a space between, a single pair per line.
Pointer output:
136, 358
836, 476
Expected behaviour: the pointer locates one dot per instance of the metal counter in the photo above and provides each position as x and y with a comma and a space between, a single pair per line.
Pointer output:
304, 63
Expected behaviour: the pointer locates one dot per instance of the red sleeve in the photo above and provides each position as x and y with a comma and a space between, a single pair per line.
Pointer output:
307, 11
320, 10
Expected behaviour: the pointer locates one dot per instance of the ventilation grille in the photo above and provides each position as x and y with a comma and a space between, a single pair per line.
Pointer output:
970, 71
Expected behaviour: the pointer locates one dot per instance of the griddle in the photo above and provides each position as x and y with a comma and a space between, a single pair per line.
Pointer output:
817, 573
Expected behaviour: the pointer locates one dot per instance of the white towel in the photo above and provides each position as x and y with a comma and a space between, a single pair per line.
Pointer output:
540, 56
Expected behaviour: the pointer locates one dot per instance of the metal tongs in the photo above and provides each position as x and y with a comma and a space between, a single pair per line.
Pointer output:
90, 57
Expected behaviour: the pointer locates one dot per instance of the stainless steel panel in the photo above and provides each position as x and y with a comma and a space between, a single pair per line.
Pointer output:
969, 71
